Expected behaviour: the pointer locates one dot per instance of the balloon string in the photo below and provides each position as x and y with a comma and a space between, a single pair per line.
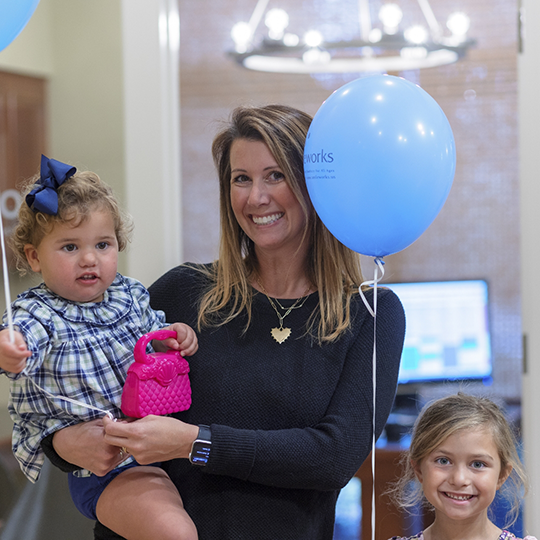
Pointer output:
71, 400
7, 292
379, 267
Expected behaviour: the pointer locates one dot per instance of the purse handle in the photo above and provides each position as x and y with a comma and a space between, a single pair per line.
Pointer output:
139, 352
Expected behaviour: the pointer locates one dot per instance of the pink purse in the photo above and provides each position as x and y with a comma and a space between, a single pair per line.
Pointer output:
156, 383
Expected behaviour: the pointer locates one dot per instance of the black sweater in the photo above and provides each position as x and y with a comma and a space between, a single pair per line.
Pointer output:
291, 423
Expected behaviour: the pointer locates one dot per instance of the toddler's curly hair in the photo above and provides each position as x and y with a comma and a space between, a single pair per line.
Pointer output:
78, 196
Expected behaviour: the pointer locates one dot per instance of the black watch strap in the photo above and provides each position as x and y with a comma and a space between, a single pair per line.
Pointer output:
200, 449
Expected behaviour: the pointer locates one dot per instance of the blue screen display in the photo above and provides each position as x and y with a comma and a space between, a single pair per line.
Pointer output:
447, 333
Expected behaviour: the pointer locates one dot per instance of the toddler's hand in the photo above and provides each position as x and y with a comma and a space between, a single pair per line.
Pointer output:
186, 339
13, 355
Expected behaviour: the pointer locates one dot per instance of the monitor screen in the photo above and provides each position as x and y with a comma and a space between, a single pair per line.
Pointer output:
447, 331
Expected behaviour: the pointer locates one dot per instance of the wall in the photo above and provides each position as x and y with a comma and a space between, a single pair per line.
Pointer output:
86, 88
152, 146
529, 114
31, 52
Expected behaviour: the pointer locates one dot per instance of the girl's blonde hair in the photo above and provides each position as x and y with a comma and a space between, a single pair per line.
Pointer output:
332, 267
449, 415
81, 194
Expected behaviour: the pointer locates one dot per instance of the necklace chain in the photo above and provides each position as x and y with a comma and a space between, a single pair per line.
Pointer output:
281, 334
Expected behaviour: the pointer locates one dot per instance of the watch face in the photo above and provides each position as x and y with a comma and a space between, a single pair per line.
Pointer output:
200, 453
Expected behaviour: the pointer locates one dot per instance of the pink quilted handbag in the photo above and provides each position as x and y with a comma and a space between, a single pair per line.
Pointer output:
156, 383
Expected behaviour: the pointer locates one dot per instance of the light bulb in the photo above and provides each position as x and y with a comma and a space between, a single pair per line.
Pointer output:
316, 56
390, 15
241, 34
313, 38
416, 34
458, 23
375, 35
413, 53
276, 20
291, 40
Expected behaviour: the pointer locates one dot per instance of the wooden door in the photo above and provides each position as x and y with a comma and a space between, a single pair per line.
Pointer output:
22, 137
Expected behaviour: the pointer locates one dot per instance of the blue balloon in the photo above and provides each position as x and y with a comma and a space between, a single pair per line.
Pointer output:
379, 162
14, 14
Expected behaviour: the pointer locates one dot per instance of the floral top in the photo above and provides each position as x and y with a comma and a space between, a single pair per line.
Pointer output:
80, 351
505, 535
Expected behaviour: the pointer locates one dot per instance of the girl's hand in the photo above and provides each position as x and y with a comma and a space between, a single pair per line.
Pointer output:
84, 445
13, 355
152, 438
185, 342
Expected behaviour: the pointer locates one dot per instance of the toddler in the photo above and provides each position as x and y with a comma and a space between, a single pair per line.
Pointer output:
68, 358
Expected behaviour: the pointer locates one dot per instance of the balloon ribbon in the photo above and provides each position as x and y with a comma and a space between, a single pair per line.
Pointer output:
379, 268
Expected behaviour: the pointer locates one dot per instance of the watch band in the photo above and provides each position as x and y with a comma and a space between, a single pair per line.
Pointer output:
200, 449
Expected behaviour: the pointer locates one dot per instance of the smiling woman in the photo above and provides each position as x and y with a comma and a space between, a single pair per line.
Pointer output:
263, 203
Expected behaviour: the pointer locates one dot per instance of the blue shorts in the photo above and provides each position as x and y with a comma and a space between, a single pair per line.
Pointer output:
86, 489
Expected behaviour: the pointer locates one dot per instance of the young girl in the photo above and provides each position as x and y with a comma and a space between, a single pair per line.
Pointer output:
75, 338
462, 451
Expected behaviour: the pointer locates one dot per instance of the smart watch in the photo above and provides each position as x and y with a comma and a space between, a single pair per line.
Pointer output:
200, 450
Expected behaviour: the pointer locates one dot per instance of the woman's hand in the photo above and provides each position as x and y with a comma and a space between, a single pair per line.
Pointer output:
152, 438
84, 445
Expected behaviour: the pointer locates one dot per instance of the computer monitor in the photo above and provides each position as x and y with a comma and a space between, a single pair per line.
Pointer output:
447, 335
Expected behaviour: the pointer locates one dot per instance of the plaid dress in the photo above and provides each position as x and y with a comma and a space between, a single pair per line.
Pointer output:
80, 351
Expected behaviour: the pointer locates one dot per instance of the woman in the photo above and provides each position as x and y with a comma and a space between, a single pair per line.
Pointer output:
281, 383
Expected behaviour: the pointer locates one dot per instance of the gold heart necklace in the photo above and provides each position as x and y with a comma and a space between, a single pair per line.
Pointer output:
281, 334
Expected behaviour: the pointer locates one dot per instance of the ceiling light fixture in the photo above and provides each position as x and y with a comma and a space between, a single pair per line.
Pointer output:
381, 48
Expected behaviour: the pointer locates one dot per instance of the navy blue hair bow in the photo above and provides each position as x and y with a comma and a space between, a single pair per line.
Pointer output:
53, 174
